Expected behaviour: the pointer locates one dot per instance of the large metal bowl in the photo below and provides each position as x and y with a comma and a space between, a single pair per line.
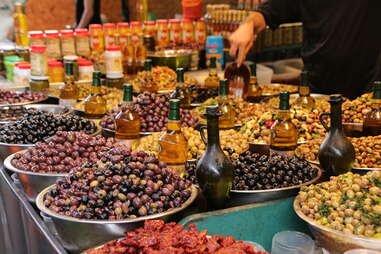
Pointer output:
50, 108
172, 59
244, 197
32, 182
334, 241
79, 234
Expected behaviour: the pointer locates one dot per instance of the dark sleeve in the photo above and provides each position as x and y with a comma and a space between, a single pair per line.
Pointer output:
277, 12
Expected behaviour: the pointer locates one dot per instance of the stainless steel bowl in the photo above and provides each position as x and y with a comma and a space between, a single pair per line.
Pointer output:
172, 59
50, 108
334, 241
243, 197
79, 234
32, 182
8, 149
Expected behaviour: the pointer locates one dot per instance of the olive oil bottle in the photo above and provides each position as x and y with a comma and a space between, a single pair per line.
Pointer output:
254, 92
214, 170
69, 92
173, 145
227, 119
95, 105
127, 121
212, 81
181, 92
305, 99
151, 85
372, 121
284, 134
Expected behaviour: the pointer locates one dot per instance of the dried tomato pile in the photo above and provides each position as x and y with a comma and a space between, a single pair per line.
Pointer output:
159, 238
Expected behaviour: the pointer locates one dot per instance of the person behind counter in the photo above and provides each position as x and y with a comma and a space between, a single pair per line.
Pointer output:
88, 12
341, 47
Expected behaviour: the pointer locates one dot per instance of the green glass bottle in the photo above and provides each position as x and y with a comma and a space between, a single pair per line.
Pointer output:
181, 92
372, 121
305, 99
95, 105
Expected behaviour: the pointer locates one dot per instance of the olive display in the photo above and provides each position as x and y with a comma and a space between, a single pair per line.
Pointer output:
347, 203
201, 94
12, 97
125, 185
63, 152
262, 172
12, 113
36, 126
153, 112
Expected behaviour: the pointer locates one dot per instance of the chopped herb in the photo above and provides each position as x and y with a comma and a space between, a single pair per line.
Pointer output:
324, 210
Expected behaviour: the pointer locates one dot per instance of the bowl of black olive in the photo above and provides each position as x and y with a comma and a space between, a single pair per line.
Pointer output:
102, 201
259, 178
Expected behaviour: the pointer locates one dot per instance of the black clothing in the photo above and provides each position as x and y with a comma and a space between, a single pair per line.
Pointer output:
80, 8
342, 45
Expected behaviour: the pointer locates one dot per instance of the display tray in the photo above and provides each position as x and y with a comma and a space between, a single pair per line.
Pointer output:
24, 103
95, 232
275, 89
336, 242
243, 197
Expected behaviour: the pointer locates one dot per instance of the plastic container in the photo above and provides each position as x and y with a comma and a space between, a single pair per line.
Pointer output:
39, 84
135, 30
149, 28
96, 37
188, 31
9, 62
162, 34
21, 74
86, 69
175, 32
73, 59
362, 251
38, 60
215, 48
114, 67
36, 38
67, 42
292, 242
123, 30
6, 50
82, 43
109, 34
192, 9
56, 72
200, 31
52, 39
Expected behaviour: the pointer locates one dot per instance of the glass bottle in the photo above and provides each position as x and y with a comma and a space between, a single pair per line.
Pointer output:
227, 119
304, 99
151, 85
140, 54
239, 79
213, 80
95, 104
336, 153
173, 145
127, 121
128, 53
214, 170
284, 134
181, 92
372, 121
69, 93
142, 10
255, 91
21, 27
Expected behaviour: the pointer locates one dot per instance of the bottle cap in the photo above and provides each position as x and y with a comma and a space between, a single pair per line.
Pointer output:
148, 65
67, 33
304, 78
69, 68
135, 24
97, 78
174, 21
335, 98
284, 101
187, 21
174, 103
174, 109
39, 78
213, 110
149, 23
180, 75
377, 90
122, 24
36, 34
38, 49
54, 64
95, 26
82, 32
108, 26
224, 87
51, 33
162, 21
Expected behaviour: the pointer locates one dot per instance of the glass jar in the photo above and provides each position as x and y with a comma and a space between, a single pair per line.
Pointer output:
38, 60
39, 84
21, 74
86, 69
96, 37
175, 30
115, 82
52, 40
73, 59
23, 52
55, 72
200, 32
82, 44
162, 33
136, 31
149, 28
123, 30
114, 67
67, 42
36, 38
188, 31
109, 34
5, 51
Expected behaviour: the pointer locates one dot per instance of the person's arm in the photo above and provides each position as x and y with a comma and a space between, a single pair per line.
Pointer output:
87, 14
271, 13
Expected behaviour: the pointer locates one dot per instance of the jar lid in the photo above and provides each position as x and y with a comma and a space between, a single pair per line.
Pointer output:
39, 78
38, 48
135, 24
113, 48
51, 33
122, 24
7, 47
161, 21
114, 76
95, 26
108, 26
36, 34
24, 66
67, 33
149, 23
70, 58
85, 63
20, 63
21, 48
174, 21
55, 64
82, 31
187, 21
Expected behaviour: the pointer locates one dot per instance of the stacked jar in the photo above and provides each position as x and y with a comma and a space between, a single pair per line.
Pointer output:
21, 74
52, 39
188, 31
38, 60
55, 72
67, 42
114, 67
86, 69
36, 38
96, 38
123, 30
162, 33
82, 42
175, 30
109, 34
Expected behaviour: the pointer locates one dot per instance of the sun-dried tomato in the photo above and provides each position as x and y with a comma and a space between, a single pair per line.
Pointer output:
158, 237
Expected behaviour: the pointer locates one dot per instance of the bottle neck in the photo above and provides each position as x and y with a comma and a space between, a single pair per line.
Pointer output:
336, 120
174, 125
304, 91
213, 131
283, 115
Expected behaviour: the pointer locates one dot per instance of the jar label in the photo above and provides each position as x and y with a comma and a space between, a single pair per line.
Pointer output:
135, 39
123, 41
38, 64
200, 35
68, 47
188, 35
53, 48
162, 35
110, 40
96, 42
114, 64
83, 48
175, 35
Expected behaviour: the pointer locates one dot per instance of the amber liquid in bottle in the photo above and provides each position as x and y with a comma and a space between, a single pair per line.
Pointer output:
181, 92
140, 55
239, 79
173, 145
305, 99
284, 134
95, 105
255, 91
212, 81
214, 170
127, 121
372, 121
150, 86
227, 119
69, 93
128, 52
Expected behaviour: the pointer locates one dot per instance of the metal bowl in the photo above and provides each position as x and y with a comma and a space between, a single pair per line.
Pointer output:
173, 59
32, 182
334, 241
79, 234
243, 197
50, 108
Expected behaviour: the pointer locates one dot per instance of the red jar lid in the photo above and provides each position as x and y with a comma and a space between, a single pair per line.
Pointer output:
135, 24
109, 26
95, 26
67, 33
81, 32
187, 21
36, 34
55, 64
18, 64
113, 48
51, 33
149, 23
85, 63
24, 66
123, 24
38, 48
174, 21
162, 21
